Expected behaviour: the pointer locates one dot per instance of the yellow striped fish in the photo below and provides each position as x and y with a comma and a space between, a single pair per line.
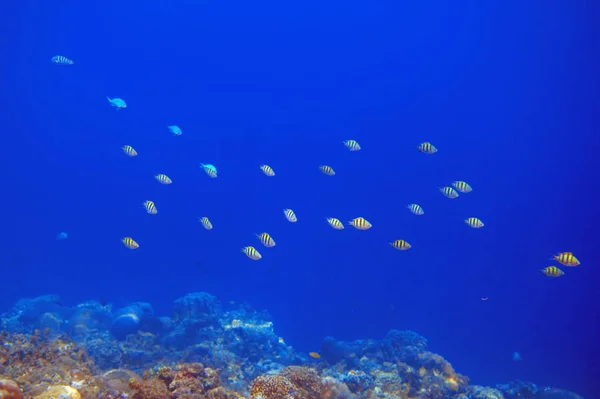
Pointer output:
400, 244
127, 149
150, 207
360, 223
335, 223
462, 186
474, 222
327, 170
205, 223
267, 170
290, 215
427, 148
59, 59
449, 192
266, 239
352, 145
552, 271
567, 259
163, 179
416, 209
130, 243
209, 169
251, 252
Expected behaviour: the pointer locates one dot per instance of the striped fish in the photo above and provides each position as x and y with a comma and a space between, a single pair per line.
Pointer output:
400, 244
163, 179
266, 239
251, 252
327, 170
427, 148
335, 223
552, 271
462, 186
59, 59
352, 145
129, 150
567, 259
209, 169
150, 207
130, 243
449, 192
267, 170
360, 223
290, 215
416, 209
205, 223
474, 222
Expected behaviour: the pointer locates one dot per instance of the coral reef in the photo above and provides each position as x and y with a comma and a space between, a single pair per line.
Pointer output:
204, 351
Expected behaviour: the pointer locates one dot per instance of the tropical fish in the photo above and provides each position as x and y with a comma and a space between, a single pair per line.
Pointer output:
427, 148
61, 236
314, 355
251, 252
129, 150
360, 223
552, 271
163, 179
352, 145
327, 170
130, 243
416, 209
462, 186
175, 130
209, 169
59, 59
335, 223
290, 215
205, 223
567, 259
400, 244
150, 207
280, 340
474, 222
266, 239
449, 192
117, 103
267, 170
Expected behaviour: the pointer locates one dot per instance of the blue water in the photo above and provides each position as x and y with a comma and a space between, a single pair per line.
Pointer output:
508, 93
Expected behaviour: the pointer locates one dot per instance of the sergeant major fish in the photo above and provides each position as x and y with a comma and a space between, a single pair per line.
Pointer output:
117, 103
175, 130
59, 59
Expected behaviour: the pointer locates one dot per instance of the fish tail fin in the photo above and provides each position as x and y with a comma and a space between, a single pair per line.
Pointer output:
108, 98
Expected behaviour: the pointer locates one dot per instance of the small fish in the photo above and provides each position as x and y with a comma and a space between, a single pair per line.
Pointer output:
422, 371
290, 215
567, 259
150, 207
517, 356
474, 222
484, 298
117, 103
209, 169
163, 179
252, 253
327, 170
130, 243
129, 150
314, 355
352, 145
267, 170
175, 130
61, 236
335, 223
266, 239
552, 271
400, 244
280, 340
59, 59
427, 148
360, 223
462, 186
416, 209
205, 223
449, 192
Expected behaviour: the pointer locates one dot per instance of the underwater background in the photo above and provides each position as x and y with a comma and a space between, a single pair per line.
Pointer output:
507, 92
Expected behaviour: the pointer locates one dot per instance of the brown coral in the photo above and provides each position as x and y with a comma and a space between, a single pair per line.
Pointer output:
10, 390
306, 380
273, 387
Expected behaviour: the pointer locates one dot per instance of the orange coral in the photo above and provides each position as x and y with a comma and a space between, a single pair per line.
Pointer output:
10, 390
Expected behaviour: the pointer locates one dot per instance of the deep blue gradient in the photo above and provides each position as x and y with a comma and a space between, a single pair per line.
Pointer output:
507, 91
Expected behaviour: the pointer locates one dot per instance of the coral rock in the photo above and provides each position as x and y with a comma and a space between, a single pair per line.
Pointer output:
10, 390
306, 380
60, 391
273, 387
